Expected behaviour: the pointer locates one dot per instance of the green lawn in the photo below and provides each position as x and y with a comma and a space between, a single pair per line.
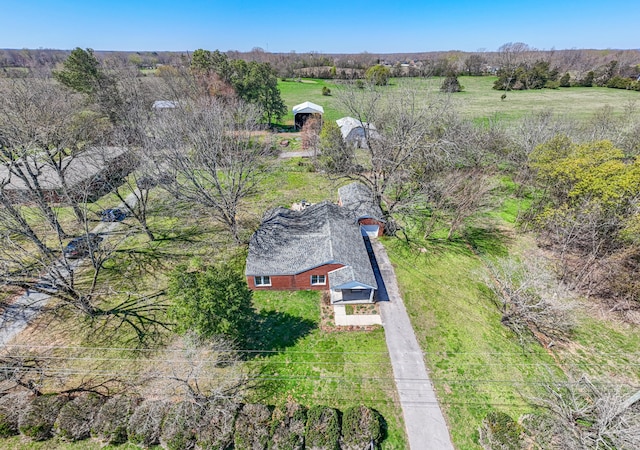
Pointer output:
314, 367
478, 100
476, 363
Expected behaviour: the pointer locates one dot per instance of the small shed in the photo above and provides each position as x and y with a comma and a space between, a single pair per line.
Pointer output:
354, 132
303, 111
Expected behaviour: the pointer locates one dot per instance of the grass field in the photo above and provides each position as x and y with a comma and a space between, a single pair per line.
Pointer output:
476, 363
477, 101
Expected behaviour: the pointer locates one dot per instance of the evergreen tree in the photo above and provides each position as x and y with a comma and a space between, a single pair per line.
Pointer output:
451, 84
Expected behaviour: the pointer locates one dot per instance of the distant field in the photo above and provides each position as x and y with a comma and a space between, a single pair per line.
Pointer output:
477, 101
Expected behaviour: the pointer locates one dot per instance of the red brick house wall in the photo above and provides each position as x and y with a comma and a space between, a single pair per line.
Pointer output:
373, 222
296, 282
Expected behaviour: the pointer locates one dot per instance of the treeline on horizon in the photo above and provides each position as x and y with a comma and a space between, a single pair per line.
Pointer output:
577, 62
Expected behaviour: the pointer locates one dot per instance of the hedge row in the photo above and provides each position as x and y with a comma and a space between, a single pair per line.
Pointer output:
187, 425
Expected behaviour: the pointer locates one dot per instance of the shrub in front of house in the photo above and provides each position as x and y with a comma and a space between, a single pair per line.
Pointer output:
252, 427
10, 407
323, 429
110, 425
179, 425
217, 425
146, 421
37, 419
287, 427
361, 425
76, 417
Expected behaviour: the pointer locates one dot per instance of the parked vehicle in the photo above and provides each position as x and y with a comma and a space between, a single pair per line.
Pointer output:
82, 246
113, 215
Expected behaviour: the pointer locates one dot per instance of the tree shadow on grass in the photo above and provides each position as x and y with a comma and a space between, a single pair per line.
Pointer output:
487, 241
273, 331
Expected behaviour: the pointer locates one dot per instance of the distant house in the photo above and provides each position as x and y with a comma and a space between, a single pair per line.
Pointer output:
88, 175
322, 247
303, 111
354, 132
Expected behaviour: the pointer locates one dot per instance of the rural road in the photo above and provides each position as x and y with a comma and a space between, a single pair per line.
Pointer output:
425, 425
17, 316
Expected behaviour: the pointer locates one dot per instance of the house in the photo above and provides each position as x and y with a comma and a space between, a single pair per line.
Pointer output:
359, 201
88, 175
320, 247
355, 132
303, 111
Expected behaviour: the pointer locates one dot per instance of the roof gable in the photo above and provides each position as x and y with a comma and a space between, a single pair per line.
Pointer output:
308, 108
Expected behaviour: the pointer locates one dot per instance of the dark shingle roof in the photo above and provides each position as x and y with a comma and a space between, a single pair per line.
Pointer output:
290, 242
78, 168
358, 199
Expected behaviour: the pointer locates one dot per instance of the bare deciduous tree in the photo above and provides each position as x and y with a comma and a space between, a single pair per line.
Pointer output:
43, 128
455, 197
532, 301
202, 371
215, 154
396, 132
583, 414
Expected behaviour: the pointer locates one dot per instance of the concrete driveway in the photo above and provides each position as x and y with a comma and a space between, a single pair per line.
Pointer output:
425, 425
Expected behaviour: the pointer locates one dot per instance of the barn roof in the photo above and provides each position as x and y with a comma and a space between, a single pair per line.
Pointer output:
347, 124
308, 108
290, 242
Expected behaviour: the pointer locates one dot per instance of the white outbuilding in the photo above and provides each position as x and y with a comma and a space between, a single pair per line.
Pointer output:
303, 111
355, 132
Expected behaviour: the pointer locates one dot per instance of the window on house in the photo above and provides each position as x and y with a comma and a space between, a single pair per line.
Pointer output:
263, 280
318, 279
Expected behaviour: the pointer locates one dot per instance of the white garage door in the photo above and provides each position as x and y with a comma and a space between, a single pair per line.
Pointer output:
369, 230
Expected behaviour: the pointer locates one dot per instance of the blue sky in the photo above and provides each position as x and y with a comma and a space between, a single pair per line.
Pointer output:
327, 27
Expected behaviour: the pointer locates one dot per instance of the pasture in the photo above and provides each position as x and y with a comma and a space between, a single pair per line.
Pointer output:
478, 101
